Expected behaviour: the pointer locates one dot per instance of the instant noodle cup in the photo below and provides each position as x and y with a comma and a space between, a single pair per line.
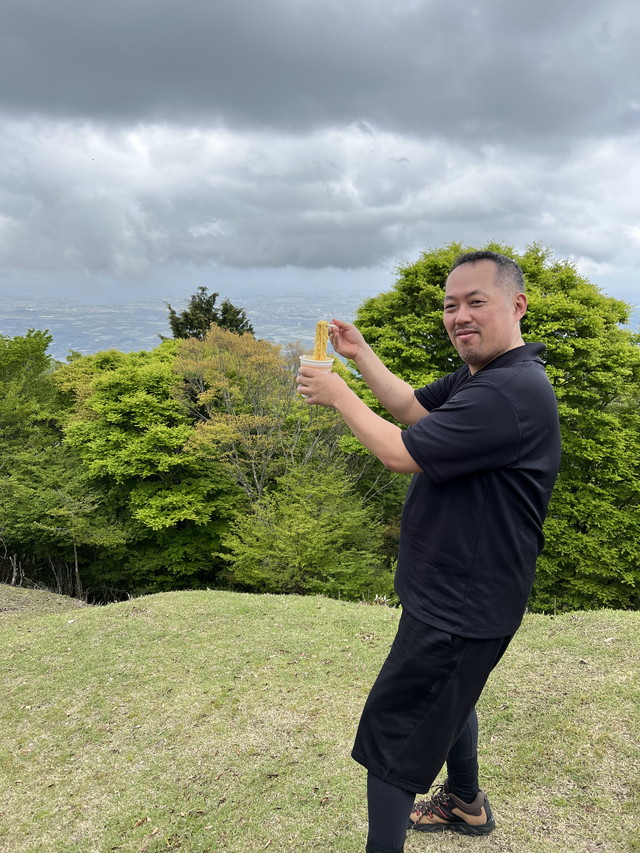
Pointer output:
325, 365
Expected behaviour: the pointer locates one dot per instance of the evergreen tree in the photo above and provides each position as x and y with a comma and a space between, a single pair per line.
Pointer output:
309, 535
201, 312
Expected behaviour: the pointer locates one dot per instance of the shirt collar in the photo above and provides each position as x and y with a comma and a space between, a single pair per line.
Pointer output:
528, 352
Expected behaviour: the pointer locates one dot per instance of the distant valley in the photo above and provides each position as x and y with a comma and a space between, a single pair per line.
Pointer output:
137, 325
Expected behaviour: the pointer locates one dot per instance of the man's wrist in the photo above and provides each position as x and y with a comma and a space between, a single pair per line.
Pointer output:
343, 396
363, 355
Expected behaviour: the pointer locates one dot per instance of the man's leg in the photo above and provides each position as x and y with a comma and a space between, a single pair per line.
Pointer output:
389, 809
417, 708
459, 804
462, 762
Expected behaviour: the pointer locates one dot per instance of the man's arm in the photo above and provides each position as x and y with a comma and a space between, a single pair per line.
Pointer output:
396, 395
379, 436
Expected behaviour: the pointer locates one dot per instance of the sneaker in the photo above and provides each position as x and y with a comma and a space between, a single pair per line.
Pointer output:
446, 811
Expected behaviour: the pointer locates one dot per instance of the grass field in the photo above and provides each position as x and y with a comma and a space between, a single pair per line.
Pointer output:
211, 721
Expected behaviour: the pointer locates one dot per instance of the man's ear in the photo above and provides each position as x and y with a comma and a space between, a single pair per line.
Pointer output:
520, 305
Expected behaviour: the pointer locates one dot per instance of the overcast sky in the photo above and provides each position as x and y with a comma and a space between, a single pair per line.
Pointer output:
154, 141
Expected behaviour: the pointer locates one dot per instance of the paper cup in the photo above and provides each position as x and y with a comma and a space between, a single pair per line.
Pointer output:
325, 366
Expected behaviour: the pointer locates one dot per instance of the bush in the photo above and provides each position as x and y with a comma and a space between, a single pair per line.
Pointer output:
310, 535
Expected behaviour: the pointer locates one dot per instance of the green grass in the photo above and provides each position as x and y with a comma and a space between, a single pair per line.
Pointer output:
211, 721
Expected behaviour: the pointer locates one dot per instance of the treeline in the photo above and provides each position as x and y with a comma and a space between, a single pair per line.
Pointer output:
192, 465
197, 465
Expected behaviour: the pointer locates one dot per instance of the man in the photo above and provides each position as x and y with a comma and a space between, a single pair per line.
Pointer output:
484, 447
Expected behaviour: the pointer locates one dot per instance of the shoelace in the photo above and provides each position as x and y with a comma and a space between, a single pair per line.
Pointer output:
424, 808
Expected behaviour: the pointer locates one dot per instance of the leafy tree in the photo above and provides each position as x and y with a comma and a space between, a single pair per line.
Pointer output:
241, 394
592, 555
54, 517
130, 434
248, 416
123, 471
50, 518
311, 534
26, 390
593, 529
28, 434
201, 312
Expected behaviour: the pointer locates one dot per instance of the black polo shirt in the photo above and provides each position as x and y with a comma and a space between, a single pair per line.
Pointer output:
472, 521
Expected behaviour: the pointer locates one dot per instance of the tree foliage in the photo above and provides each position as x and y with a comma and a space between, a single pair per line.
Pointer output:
197, 463
311, 534
241, 394
121, 473
43, 503
201, 312
50, 516
130, 432
592, 555
27, 394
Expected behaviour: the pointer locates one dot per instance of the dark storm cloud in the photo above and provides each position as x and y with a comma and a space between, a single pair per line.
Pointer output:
315, 133
464, 69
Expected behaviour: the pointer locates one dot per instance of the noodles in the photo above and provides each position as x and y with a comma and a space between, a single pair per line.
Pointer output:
322, 338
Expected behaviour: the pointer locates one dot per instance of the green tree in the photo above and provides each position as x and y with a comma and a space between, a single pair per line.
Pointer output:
50, 518
592, 558
309, 535
130, 433
241, 394
201, 311
26, 391
54, 518
592, 555
27, 432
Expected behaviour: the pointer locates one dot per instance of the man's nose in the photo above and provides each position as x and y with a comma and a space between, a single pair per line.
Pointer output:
463, 315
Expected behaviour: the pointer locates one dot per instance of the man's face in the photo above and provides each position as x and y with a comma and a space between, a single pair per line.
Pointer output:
480, 316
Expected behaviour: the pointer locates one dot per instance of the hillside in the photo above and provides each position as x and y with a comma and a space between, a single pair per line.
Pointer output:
210, 721
19, 602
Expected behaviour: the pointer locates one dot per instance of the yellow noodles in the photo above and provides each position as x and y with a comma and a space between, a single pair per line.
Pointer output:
322, 338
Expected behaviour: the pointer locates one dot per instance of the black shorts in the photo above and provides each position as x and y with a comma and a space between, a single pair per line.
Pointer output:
426, 690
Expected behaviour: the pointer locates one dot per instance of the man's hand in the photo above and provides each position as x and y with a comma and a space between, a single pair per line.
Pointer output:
321, 389
346, 340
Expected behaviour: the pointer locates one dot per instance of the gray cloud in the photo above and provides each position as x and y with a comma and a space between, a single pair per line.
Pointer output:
276, 133
430, 68
121, 202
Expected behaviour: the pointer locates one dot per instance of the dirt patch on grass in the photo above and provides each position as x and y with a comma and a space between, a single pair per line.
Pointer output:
17, 601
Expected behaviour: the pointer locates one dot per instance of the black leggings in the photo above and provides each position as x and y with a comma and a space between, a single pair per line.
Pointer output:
462, 762
389, 806
389, 810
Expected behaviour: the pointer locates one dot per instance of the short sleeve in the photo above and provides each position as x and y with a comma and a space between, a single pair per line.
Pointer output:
476, 430
437, 393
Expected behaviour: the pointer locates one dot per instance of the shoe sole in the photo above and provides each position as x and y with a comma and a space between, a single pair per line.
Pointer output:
460, 828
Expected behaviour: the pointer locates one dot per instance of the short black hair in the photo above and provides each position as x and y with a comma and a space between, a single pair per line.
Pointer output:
508, 272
